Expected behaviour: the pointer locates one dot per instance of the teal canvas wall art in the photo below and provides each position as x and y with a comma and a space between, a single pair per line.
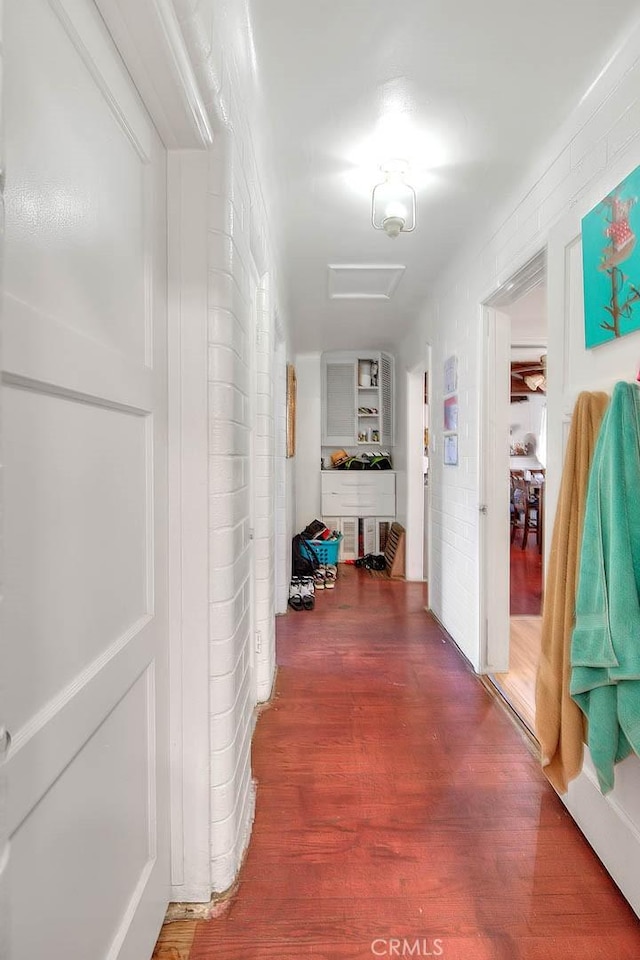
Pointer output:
611, 264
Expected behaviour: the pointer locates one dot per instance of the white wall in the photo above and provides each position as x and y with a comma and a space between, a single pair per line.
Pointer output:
525, 418
308, 439
596, 148
602, 129
4, 845
243, 295
611, 823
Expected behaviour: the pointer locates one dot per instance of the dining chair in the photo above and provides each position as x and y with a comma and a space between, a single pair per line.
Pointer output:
526, 498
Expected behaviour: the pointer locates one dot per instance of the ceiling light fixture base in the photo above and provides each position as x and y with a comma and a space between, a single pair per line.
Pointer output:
393, 201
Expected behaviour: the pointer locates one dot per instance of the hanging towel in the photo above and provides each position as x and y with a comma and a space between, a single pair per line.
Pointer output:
605, 647
559, 721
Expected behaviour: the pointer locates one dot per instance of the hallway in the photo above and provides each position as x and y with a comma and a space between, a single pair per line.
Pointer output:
396, 801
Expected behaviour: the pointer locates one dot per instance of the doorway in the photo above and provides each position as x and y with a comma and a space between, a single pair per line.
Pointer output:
418, 491
518, 322
426, 428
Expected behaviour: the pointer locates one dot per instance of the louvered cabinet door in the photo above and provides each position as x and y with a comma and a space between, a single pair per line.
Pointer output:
339, 403
386, 399
349, 544
369, 535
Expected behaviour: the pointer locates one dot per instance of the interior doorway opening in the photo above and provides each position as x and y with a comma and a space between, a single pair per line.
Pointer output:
426, 478
517, 318
418, 540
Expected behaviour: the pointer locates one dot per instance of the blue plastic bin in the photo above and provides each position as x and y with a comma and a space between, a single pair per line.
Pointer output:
325, 550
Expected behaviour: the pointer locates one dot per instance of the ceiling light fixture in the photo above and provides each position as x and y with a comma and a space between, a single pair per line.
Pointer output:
537, 381
393, 202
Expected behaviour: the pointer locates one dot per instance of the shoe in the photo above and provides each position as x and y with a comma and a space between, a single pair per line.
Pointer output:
318, 578
295, 594
307, 591
331, 576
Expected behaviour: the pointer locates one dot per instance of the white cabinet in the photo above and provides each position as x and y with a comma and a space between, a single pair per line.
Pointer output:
360, 535
357, 399
362, 506
365, 493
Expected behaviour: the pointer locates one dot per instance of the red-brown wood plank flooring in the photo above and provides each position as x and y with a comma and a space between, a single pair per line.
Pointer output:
525, 580
397, 802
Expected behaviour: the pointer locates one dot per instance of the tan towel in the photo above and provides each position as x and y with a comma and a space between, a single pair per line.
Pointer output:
559, 721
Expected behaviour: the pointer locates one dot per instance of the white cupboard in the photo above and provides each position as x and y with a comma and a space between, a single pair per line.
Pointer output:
357, 399
361, 506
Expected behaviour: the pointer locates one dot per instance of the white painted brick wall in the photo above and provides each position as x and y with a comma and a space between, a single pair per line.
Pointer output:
4, 839
240, 335
232, 701
282, 547
591, 148
264, 471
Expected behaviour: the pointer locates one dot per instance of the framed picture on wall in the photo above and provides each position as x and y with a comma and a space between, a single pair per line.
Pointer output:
451, 413
291, 410
451, 449
611, 264
451, 375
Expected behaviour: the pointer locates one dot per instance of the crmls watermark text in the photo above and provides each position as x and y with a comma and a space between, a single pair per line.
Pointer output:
406, 947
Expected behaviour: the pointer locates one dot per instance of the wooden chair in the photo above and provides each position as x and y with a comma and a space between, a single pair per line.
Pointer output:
526, 510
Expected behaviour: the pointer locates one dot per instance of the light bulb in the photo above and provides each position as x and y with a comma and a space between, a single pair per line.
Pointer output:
395, 209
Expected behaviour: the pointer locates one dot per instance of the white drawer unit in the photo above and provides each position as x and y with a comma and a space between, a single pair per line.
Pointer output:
366, 493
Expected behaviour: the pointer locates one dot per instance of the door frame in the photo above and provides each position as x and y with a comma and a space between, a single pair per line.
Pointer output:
416, 560
426, 558
494, 464
281, 532
149, 39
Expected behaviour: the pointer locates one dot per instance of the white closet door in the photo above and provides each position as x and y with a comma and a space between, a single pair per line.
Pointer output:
84, 453
383, 526
386, 398
349, 545
339, 403
369, 535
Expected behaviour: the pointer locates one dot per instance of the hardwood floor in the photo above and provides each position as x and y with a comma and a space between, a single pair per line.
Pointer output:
519, 684
397, 802
175, 941
525, 580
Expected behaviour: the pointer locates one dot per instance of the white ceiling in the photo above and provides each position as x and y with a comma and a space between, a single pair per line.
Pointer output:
477, 87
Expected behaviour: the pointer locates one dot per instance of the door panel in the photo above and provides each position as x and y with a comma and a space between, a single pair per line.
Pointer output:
64, 457
110, 778
84, 449
76, 198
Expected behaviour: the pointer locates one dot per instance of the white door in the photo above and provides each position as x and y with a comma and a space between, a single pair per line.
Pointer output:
84, 449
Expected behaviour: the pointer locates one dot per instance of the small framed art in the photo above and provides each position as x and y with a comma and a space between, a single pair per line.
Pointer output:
451, 449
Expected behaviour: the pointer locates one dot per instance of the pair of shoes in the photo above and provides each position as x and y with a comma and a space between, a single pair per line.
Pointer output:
331, 575
372, 561
308, 593
301, 594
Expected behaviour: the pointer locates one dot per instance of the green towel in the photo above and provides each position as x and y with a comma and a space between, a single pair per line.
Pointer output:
605, 645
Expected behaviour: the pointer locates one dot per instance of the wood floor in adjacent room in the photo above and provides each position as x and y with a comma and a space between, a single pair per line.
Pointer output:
398, 802
519, 684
